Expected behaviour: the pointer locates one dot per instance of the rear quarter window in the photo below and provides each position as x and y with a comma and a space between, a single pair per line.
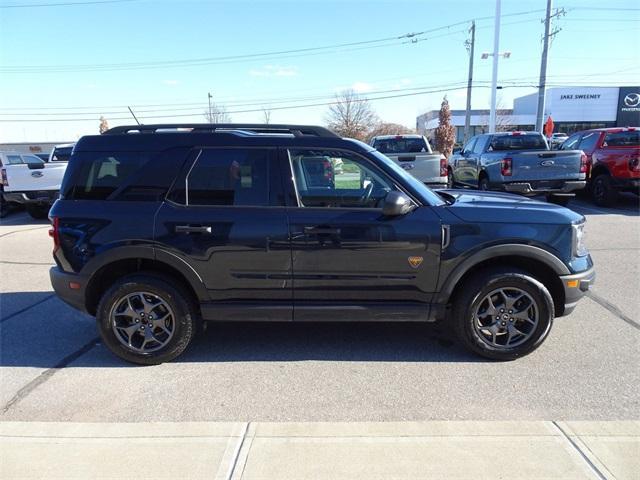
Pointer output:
122, 176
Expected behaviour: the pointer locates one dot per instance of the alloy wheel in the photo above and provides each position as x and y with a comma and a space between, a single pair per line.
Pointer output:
506, 318
143, 322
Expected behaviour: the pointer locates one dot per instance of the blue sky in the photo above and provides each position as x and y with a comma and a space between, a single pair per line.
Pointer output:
66, 62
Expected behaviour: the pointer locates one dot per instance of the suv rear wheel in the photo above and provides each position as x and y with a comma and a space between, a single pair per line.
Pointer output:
502, 314
146, 319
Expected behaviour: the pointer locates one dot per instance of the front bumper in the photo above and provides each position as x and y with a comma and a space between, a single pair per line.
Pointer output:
531, 188
576, 286
61, 282
36, 197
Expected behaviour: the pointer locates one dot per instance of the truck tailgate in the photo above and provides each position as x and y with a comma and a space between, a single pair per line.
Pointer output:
424, 166
21, 179
546, 165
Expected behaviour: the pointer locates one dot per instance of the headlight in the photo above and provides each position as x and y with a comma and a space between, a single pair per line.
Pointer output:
579, 247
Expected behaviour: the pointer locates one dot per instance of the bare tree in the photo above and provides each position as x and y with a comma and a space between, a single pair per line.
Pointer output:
351, 116
445, 132
104, 125
218, 114
383, 128
266, 112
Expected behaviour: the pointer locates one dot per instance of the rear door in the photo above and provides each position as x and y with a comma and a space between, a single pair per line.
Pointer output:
350, 262
226, 219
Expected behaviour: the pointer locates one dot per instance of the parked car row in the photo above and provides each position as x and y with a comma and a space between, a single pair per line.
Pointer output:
32, 182
600, 162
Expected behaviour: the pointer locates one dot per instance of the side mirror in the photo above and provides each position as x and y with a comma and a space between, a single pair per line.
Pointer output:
396, 204
457, 150
35, 165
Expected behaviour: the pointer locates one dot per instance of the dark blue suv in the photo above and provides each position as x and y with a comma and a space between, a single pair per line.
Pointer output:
159, 228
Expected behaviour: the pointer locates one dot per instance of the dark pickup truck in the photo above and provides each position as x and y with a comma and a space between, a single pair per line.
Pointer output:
613, 156
519, 162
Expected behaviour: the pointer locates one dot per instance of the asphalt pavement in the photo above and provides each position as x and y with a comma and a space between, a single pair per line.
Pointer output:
53, 367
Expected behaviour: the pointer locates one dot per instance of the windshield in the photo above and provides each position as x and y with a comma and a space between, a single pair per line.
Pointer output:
517, 142
401, 145
432, 197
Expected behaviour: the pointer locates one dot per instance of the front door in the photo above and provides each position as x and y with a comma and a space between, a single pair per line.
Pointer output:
226, 219
350, 262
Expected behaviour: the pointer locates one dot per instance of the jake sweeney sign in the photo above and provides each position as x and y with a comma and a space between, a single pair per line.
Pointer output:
582, 104
580, 96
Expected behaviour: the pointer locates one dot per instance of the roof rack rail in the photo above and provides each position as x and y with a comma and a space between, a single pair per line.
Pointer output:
296, 130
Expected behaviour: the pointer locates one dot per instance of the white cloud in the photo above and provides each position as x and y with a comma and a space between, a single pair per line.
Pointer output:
170, 82
361, 87
274, 71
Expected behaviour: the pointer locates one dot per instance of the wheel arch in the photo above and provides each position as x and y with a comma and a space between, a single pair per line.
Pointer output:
120, 265
542, 265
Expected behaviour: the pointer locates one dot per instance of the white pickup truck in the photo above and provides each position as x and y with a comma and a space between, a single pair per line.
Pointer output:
414, 154
29, 181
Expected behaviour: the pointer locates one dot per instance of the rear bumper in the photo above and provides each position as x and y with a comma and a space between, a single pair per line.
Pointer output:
576, 286
526, 188
44, 197
60, 281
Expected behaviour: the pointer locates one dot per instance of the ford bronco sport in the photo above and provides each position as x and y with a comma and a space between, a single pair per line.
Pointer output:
161, 227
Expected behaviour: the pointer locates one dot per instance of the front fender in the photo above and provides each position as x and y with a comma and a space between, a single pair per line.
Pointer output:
448, 282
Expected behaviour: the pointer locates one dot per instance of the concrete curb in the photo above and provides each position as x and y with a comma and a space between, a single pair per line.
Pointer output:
437, 449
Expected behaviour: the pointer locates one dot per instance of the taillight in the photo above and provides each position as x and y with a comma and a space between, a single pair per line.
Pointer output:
5, 181
634, 164
55, 233
584, 163
506, 167
443, 167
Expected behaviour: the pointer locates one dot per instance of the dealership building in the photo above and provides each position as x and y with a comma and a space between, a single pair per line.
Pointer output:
571, 108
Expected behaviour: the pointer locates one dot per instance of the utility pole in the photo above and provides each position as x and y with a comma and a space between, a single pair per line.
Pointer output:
467, 118
543, 64
210, 114
494, 78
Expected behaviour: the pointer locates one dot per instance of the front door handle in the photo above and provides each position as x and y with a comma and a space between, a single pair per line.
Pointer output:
321, 231
192, 229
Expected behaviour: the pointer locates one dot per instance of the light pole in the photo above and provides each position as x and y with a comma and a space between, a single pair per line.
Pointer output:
494, 78
210, 114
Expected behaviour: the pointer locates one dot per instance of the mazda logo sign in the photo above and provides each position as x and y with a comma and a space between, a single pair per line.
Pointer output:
632, 100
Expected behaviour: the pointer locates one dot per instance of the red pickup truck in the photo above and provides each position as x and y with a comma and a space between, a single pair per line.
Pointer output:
613, 161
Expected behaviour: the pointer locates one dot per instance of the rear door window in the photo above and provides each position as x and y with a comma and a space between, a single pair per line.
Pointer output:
622, 139
226, 177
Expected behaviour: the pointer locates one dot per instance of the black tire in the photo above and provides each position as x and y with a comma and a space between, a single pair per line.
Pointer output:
474, 291
602, 191
38, 212
450, 179
483, 183
561, 200
183, 306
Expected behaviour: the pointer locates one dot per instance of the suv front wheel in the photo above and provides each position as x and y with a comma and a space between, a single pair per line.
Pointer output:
502, 314
146, 319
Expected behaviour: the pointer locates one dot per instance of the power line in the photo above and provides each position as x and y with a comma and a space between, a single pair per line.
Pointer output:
374, 43
65, 4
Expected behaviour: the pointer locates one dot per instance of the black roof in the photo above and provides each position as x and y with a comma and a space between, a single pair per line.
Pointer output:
164, 136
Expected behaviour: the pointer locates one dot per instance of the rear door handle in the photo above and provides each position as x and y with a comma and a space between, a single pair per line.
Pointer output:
321, 231
192, 229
